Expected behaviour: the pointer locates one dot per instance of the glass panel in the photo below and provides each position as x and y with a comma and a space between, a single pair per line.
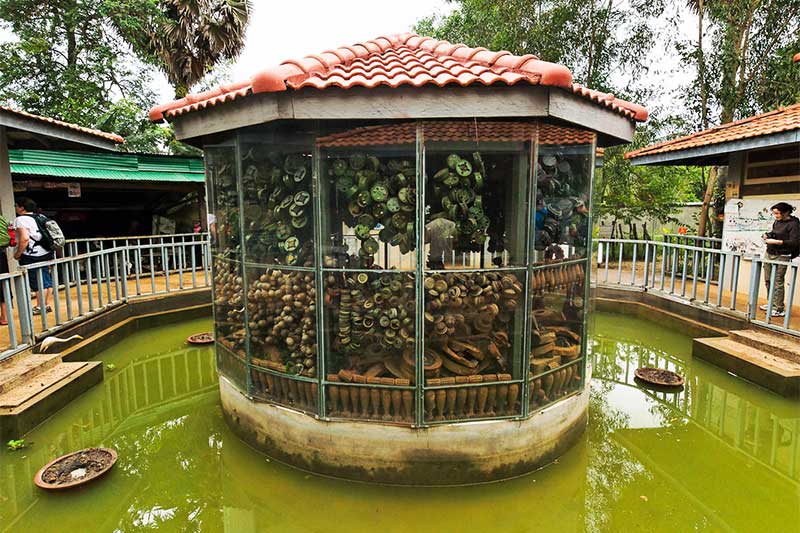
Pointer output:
557, 330
452, 400
229, 305
277, 196
476, 193
232, 366
369, 326
221, 179
373, 398
370, 342
563, 177
281, 307
369, 198
283, 389
474, 324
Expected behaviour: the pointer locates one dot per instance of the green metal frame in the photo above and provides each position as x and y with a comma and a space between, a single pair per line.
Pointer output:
318, 195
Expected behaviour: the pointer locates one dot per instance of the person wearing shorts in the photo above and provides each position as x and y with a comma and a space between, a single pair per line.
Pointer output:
30, 251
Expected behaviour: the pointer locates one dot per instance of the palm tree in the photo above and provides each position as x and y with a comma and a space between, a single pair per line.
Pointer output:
185, 39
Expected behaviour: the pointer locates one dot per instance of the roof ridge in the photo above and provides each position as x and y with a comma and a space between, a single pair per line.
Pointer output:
70, 125
330, 69
711, 130
548, 73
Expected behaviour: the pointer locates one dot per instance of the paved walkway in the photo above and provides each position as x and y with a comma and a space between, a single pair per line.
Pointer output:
598, 273
147, 286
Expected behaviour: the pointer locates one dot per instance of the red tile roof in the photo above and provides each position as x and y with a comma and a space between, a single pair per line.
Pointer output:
405, 59
780, 120
796, 57
68, 125
457, 130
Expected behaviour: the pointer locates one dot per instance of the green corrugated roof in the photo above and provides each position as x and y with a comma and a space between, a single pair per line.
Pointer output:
106, 166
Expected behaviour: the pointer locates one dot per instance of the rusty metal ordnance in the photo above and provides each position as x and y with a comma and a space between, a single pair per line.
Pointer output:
281, 308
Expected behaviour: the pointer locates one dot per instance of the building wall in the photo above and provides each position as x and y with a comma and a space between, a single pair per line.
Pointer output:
788, 191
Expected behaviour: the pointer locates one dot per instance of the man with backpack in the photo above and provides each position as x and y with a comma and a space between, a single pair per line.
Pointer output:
34, 245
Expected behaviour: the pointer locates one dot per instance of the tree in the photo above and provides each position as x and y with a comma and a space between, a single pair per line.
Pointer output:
595, 38
631, 194
185, 39
748, 69
68, 62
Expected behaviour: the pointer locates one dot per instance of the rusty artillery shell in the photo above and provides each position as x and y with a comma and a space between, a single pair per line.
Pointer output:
461, 397
502, 395
430, 398
491, 398
375, 398
333, 392
451, 397
472, 396
386, 398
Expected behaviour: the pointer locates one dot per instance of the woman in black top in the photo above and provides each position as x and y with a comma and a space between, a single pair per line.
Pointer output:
783, 244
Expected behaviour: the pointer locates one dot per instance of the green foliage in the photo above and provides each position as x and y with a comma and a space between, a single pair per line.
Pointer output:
14, 445
593, 38
68, 62
630, 193
747, 64
111, 367
91, 63
185, 39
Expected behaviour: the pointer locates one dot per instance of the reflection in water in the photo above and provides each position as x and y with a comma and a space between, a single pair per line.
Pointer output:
711, 457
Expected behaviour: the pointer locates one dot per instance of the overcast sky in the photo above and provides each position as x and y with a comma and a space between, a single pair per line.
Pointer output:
296, 28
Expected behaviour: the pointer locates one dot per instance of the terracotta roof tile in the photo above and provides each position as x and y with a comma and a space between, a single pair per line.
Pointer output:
456, 130
397, 60
68, 125
796, 57
780, 120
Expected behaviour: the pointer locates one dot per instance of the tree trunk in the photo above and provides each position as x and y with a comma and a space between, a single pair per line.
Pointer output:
701, 68
712, 181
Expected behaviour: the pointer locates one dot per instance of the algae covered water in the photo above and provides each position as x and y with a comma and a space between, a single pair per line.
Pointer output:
720, 455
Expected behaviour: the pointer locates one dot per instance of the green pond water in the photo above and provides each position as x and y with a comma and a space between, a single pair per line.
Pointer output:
721, 455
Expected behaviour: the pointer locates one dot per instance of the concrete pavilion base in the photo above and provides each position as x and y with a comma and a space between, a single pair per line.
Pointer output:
474, 452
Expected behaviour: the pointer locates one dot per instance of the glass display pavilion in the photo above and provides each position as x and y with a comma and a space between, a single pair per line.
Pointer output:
401, 256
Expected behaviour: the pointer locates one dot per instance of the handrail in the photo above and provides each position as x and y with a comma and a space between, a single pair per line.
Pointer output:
703, 276
90, 282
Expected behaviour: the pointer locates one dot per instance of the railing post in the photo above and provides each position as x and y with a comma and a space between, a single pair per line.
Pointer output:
735, 280
23, 290
752, 297
12, 326
793, 270
646, 265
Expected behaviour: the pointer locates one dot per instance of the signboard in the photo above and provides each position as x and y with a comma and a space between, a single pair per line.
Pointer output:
74, 190
746, 220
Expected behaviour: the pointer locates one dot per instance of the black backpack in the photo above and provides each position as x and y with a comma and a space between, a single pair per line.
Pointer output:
45, 241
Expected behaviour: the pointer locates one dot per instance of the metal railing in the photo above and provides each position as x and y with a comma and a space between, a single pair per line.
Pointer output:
702, 276
88, 282
693, 240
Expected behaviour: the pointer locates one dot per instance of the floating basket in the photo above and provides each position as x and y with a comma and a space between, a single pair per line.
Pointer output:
75, 469
659, 377
201, 338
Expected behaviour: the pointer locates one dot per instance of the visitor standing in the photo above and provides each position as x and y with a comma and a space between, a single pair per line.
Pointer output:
31, 251
783, 244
